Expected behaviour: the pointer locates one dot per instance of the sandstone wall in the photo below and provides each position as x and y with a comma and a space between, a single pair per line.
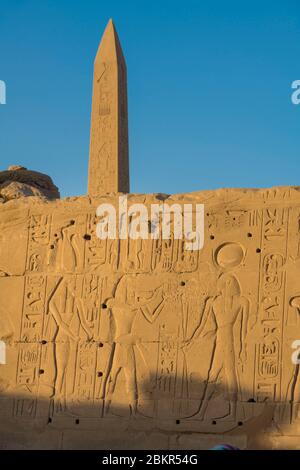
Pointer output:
141, 344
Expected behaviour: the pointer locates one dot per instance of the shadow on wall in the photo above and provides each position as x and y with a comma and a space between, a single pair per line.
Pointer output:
155, 419
139, 367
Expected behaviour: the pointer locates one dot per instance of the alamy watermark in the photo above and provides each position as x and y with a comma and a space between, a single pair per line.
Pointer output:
2, 92
165, 221
2, 352
296, 94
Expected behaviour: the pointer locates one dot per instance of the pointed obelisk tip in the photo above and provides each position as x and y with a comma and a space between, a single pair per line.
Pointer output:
109, 26
109, 47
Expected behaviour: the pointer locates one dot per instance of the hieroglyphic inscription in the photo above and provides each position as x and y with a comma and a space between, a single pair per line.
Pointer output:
272, 296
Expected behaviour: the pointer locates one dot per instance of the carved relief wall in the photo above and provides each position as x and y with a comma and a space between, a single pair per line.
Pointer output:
142, 344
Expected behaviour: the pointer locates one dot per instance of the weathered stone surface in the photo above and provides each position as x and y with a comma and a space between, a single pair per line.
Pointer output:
17, 182
201, 346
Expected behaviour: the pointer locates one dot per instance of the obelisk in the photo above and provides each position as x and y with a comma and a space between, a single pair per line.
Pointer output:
108, 162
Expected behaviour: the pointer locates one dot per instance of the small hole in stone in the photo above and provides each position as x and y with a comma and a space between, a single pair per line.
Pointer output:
104, 306
87, 236
77, 421
251, 400
51, 247
177, 421
55, 235
212, 237
99, 374
207, 213
72, 222
101, 345
249, 235
41, 371
240, 423
214, 422
44, 341
49, 420
258, 250
182, 283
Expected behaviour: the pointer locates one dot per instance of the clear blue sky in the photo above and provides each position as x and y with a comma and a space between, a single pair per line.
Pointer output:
209, 90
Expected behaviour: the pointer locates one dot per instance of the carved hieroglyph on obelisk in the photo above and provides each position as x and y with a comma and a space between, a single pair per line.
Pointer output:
108, 163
